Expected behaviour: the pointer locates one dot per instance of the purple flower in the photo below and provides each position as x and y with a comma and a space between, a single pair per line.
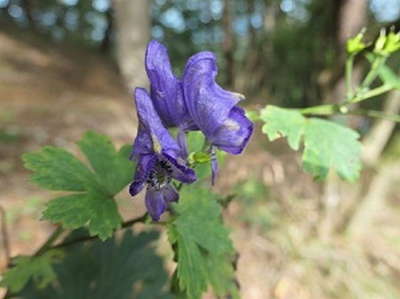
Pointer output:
214, 109
166, 89
158, 159
197, 102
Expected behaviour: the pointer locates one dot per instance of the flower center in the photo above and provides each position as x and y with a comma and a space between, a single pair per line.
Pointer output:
160, 175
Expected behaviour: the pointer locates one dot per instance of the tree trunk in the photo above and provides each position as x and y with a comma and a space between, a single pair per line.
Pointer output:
352, 17
132, 21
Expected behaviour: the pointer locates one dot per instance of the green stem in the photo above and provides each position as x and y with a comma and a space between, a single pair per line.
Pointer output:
373, 73
349, 73
47, 245
376, 114
369, 94
321, 110
126, 224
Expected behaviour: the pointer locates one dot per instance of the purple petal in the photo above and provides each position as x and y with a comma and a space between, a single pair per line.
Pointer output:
235, 132
151, 128
145, 164
142, 144
165, 89
179, 170
208, 104
155, 203
170, 194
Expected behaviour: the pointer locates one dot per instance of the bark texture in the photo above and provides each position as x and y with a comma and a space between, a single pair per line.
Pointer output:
132, 22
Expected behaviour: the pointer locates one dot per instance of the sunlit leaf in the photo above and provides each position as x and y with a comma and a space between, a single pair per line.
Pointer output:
94, 206
56, 169
327, 145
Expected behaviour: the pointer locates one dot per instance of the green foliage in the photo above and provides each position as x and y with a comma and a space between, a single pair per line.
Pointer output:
326, 144
112, 169
95, 210
39, 268
56, 169
121, 268
203, 249
389, 77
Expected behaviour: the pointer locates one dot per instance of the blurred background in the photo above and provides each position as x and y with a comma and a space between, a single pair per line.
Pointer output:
67, 66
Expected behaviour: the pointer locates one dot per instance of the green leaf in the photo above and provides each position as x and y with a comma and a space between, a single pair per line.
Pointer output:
203, 248
126, 267
26, 267
283, 123
100, 213
114, 170
56, 169
326, 144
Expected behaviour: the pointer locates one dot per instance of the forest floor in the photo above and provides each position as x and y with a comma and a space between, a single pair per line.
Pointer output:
51, 95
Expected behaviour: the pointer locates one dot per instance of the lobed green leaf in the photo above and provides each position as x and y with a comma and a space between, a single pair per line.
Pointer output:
327, 145
56, 169
112, 168
203, 248
95, 210
39, 268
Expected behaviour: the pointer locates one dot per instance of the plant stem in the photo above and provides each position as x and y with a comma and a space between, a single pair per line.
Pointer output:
369, 94
88, 238
326, 110
376, 114
349, 73
321, 110
373, 73
47, 245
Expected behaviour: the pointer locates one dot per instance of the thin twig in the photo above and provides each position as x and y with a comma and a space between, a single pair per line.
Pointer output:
4, 233
88, 238
49, 242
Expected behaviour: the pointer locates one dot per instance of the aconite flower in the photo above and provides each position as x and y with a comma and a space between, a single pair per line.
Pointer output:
197, 102
158, 158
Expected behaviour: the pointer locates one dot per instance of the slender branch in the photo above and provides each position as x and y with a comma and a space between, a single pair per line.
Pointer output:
369, 94
349, 74
321, 110
49, 242
376, 114
373, 73
4, 233
88, 238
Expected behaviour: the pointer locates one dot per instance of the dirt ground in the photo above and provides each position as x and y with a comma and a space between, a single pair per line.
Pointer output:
51, 95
